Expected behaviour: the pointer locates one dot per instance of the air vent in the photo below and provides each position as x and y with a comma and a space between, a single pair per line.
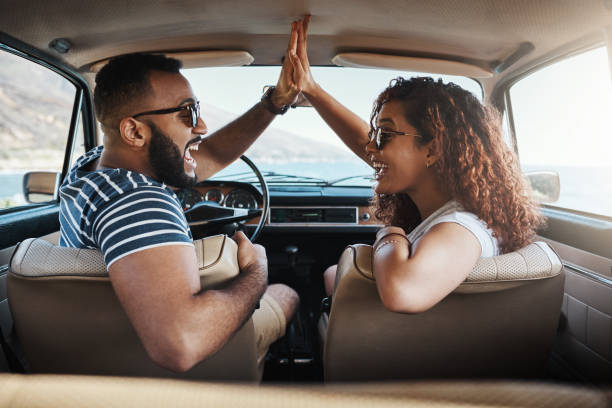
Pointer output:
302, 215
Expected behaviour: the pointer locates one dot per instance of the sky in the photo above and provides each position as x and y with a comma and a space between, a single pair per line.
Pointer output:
563, 112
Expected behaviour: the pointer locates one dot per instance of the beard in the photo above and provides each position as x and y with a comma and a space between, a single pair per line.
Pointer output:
167, 161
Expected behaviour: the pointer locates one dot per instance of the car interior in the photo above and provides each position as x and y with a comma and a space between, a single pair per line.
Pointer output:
527, 328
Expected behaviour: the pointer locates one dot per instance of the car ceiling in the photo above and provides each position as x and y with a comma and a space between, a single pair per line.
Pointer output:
482, 32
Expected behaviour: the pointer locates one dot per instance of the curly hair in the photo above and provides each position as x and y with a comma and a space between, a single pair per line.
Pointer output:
475, 167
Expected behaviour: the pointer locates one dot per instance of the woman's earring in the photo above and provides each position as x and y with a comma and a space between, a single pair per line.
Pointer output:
427, 164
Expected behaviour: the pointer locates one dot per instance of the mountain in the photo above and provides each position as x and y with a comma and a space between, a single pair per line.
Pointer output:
36, 106
277, 145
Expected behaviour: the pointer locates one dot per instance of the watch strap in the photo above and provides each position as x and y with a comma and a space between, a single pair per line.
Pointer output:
266, 101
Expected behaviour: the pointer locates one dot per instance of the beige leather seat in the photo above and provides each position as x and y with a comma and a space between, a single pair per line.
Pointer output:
499, 323
69, 320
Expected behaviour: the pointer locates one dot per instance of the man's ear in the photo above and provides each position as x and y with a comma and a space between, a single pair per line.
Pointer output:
133, 132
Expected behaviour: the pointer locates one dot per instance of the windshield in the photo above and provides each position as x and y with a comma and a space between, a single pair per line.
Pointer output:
298, 143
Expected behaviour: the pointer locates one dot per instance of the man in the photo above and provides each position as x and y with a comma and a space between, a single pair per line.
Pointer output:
117, 198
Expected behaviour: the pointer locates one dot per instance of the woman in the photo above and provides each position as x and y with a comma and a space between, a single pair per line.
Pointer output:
447, 185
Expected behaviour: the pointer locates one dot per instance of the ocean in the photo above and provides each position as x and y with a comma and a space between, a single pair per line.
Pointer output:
587, 189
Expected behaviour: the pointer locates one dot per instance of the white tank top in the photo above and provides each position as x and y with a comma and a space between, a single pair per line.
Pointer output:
454, 212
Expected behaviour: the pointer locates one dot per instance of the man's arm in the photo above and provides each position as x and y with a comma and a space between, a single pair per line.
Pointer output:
224, 146
178, 323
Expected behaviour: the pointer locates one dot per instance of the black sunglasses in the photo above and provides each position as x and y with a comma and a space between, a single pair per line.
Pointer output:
193, 108
380, 136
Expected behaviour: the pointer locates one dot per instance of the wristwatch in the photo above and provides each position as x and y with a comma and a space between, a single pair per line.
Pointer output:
266, 101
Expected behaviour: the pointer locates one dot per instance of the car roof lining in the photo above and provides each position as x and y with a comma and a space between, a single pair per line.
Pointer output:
486, 31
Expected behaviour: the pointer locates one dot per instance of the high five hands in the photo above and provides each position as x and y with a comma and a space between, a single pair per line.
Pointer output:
286, 91
298, 55
295, 81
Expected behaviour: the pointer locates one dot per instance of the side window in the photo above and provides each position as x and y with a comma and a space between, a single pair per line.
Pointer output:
35, 118
562, 120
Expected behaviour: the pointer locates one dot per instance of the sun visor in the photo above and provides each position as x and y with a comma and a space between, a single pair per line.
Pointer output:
418, 64
198, 59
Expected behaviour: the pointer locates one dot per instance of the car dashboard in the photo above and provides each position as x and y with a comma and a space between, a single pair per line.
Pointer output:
291, 205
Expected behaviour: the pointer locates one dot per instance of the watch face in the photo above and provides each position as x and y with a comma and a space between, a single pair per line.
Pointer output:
269, 91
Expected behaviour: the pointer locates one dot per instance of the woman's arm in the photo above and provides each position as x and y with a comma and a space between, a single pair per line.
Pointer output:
414, 282
348, 126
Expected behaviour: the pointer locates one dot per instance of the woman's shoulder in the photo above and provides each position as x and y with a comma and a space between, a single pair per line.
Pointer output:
462, 216
455, 213
470, 221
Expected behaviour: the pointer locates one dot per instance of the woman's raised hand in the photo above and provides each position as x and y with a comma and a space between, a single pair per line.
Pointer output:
347, 125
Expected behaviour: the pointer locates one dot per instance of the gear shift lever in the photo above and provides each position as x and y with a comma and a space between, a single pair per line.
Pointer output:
291, 251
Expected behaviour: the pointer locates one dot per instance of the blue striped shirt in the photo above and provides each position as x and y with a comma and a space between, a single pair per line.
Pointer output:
118, 211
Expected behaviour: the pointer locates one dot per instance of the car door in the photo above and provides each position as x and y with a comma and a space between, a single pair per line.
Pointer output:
46, 113
559, 114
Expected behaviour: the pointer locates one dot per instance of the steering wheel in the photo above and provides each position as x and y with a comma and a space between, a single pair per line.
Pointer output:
207, 217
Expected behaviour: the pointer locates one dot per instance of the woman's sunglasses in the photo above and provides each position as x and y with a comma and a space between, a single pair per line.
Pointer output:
193, 108
380, 136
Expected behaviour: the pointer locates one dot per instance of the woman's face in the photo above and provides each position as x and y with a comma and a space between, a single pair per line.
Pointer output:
401, 164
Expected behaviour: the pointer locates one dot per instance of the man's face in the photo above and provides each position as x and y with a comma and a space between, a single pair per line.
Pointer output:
173, 138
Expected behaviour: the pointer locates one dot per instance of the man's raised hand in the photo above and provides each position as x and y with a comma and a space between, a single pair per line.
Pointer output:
286, 91
302, 76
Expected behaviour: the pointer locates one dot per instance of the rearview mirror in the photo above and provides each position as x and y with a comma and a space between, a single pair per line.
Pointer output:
545, 185
301, 102
41, 186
